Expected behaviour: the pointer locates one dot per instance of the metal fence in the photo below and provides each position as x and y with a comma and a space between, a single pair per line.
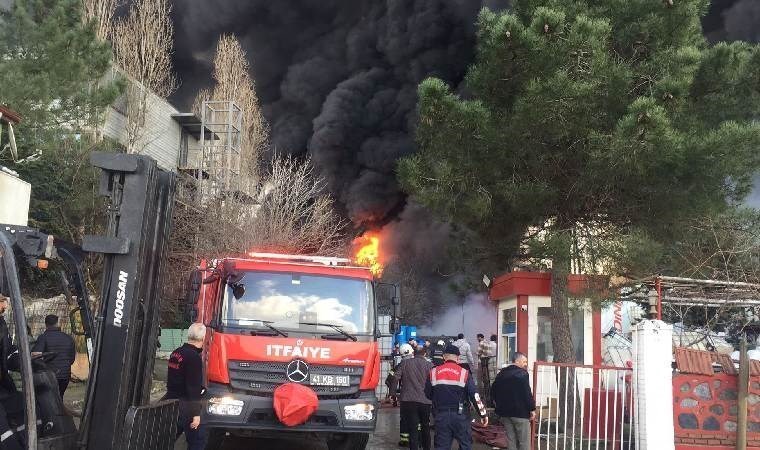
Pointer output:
583, 407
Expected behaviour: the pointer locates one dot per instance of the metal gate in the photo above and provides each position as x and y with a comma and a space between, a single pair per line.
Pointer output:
583, 407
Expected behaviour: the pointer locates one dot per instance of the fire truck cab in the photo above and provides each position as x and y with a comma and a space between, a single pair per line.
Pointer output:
276, 319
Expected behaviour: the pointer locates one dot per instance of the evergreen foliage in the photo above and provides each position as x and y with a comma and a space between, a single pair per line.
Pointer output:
52, 73
592, 127
51, 67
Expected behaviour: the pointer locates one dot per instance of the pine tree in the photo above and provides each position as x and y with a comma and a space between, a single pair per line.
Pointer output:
51, 65
592, 125
52, 73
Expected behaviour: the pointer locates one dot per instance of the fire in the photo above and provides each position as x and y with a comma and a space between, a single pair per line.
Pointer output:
368, 253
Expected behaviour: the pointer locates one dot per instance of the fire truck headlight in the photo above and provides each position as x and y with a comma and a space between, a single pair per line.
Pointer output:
361, 411
225, 406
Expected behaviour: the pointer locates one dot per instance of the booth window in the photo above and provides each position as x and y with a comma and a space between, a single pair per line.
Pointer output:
508, 333
544, 349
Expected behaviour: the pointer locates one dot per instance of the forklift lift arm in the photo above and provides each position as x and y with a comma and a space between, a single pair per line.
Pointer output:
35, 246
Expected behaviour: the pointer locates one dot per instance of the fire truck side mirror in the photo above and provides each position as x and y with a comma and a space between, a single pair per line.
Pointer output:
191, 296
396, 300
394, 326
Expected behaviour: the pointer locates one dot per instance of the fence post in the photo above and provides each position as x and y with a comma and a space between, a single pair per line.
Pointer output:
653, 385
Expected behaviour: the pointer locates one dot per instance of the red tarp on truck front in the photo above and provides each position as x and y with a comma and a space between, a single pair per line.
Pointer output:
294, 403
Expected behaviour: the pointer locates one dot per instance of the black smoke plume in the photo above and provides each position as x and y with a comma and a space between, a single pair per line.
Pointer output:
337, 79
736, 20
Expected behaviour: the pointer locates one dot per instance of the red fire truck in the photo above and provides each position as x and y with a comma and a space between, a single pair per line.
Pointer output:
277, 319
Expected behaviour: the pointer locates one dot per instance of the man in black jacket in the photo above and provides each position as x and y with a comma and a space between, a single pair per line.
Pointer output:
184, 381
53, 340
415, 405
514, 402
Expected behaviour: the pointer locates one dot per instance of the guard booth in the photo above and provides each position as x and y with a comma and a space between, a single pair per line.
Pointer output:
524, 317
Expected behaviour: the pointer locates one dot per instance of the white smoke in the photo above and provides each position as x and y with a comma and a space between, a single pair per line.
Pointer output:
475, 314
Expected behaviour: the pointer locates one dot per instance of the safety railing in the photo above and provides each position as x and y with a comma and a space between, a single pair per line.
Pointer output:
580, 407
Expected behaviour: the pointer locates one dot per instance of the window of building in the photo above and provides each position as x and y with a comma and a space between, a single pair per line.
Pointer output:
544, 349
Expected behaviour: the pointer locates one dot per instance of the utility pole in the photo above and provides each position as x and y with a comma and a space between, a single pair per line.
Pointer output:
743, 390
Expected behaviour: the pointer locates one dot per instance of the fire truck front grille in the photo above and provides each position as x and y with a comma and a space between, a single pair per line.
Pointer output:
262, 377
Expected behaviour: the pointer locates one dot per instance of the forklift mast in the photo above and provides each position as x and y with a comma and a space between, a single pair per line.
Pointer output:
140, 200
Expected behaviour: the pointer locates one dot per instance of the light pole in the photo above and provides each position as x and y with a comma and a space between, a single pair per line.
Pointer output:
653, 298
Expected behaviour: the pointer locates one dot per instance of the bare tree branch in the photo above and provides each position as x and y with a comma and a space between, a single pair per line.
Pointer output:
294, 214
234, 82
101, 12
142, 46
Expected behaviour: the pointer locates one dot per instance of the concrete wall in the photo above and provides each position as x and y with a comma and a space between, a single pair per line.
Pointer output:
705, 411
14, 199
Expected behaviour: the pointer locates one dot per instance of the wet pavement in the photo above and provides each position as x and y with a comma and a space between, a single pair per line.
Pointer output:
386, 437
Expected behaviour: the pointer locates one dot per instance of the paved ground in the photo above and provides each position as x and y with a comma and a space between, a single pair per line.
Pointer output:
386, 437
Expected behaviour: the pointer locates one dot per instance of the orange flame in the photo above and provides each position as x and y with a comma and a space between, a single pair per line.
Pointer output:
368, 253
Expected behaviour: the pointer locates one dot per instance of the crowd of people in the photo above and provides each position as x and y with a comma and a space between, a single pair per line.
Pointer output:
436, 379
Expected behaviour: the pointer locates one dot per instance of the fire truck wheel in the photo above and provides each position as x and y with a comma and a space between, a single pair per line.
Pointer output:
215, 439
348, 442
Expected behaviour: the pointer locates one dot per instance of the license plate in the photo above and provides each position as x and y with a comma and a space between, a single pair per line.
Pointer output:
329, 380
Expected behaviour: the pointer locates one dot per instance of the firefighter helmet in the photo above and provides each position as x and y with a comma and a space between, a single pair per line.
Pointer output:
406, 350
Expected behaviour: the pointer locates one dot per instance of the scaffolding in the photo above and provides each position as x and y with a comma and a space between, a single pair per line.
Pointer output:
711, 293
219, 170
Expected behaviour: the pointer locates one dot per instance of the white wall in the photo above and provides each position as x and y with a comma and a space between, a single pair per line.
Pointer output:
653, 385
14, 199
162, 134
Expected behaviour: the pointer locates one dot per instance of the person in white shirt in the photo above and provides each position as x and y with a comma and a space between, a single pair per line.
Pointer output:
465, 352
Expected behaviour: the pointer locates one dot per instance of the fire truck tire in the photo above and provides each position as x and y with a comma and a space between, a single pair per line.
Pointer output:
349, 442
215, 439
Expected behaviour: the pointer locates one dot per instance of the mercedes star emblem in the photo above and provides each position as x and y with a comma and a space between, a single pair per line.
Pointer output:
297, 371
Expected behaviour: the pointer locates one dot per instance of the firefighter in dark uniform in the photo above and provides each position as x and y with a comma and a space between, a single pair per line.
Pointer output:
184, 382
451, 388
11, 401
436, 354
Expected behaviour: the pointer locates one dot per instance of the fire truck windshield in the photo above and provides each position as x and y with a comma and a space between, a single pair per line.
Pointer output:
290, 300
